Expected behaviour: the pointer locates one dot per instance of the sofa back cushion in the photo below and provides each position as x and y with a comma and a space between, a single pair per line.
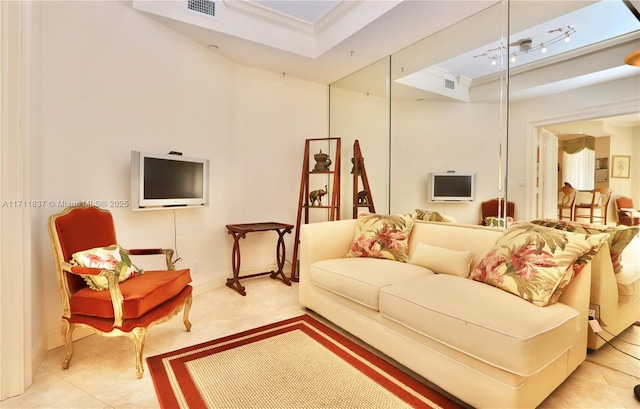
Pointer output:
442, 260
461, 237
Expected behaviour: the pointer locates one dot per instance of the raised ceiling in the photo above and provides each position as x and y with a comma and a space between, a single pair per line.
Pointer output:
321, 41
326, 40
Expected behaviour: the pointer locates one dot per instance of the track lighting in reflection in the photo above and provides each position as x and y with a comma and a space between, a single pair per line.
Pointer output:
528, 44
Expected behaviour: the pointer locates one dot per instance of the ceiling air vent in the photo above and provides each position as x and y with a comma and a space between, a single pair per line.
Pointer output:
449, 84
202, 7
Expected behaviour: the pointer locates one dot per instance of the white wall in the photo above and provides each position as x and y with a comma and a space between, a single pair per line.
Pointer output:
622, 145
438, 137
362, 117
110, 80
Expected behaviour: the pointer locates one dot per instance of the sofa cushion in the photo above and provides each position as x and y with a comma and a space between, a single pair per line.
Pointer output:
618, 238
628, 281
360, 279
482, 321
535, 262
442, 260
382, 236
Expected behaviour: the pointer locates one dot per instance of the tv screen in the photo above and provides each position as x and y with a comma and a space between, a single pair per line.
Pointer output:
165, 178
160, 181
452, 187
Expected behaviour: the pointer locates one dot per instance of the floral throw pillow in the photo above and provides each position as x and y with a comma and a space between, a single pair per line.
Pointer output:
618, 238
382, 236
536, 263
107, 258
430, 216
497, 221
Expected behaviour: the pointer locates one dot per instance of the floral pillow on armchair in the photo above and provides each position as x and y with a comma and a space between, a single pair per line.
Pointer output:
109, 258
536, 263
382, 236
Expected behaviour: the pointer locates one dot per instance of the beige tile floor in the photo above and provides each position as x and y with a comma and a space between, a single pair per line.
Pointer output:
101, 374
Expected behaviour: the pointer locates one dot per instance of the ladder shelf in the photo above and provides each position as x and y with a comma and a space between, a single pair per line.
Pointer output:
361, 198
312, 199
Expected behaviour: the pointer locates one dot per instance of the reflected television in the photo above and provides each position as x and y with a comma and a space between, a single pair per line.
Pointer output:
452, 187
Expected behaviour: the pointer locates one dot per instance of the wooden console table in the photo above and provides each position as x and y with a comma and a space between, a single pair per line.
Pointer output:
239, 231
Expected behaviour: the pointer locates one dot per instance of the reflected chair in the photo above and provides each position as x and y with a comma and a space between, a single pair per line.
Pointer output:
566, 201
599, 203
490, 209
124, 308
625, 212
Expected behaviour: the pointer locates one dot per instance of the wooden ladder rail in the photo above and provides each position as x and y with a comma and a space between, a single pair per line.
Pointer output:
304, 206
359, 171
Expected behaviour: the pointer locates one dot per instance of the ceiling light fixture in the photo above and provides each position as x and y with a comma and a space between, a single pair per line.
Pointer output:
524, 45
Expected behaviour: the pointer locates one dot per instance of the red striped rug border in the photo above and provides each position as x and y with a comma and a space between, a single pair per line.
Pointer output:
320, 332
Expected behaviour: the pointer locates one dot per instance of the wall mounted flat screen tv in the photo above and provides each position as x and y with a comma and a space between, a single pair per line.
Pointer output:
452, 187
161, 181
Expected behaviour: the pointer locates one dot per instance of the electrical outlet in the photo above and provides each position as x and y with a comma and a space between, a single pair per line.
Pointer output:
592, 314
195, 266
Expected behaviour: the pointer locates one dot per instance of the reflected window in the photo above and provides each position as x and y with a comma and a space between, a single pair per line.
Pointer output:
579, 157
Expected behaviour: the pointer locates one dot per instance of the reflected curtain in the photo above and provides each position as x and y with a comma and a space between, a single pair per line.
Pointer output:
579, 162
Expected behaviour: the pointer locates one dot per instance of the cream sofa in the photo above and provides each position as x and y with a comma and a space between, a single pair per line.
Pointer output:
483, 345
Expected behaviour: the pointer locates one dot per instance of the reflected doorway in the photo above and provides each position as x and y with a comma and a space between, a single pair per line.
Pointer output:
613, 135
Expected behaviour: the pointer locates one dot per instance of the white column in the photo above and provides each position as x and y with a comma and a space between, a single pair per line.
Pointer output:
15, 264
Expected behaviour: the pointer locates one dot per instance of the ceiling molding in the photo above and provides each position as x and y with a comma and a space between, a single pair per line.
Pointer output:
267, 15
336, 15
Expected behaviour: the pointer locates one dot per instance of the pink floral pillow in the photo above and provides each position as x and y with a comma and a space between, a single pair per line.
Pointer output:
382, 236
536, 263
112, 258
618, 238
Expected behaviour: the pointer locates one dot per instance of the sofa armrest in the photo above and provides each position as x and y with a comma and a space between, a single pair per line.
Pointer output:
326, 240
604, 289
322, 241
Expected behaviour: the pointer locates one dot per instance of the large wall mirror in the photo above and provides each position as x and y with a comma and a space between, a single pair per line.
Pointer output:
488, 95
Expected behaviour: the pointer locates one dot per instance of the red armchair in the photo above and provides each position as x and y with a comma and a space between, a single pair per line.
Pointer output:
490, 209
124, 308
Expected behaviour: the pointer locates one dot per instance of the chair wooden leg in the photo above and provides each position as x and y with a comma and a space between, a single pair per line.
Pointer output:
138, 336
187, 309
67, 331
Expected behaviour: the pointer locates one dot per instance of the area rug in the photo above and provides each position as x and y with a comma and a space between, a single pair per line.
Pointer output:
295, 363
